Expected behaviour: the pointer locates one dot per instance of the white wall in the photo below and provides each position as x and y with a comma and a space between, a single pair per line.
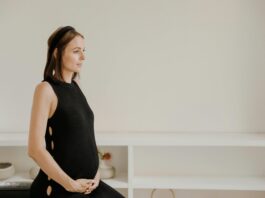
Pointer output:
173, 65
168, 65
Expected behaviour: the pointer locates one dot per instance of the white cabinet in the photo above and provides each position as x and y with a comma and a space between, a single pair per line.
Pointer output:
180, 161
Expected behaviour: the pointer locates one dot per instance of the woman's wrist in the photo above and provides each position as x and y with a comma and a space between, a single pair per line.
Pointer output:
68, 183
97, 175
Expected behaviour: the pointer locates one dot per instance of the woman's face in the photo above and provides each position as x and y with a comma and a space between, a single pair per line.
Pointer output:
73, 55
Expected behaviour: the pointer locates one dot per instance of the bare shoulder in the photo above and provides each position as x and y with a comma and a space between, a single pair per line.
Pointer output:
44, 90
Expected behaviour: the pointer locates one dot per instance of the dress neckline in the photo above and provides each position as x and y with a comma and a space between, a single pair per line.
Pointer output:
66, 83
71, 84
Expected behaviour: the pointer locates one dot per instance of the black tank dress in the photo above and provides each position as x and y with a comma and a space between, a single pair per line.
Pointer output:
70, 140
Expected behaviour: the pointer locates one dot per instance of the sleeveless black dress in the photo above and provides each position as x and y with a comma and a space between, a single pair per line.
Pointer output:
70, 140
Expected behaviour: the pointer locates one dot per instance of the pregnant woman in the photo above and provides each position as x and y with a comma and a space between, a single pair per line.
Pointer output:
61, 134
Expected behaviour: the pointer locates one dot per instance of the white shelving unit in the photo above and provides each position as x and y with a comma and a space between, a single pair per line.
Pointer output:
199, 183
138, 175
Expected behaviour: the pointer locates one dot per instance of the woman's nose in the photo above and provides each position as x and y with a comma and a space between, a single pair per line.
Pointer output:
83, 56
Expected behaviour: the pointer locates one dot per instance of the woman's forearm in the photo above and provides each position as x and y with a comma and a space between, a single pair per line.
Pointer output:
97, 175
46, 162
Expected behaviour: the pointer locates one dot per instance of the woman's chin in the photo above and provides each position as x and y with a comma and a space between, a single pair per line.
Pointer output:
77, 69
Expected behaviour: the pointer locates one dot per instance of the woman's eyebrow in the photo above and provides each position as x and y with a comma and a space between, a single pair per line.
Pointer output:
77, 48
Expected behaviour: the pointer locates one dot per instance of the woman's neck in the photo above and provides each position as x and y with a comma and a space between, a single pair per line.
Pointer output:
67, 76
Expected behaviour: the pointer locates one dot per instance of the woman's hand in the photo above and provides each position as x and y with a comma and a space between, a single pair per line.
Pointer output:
95, 183
79, 185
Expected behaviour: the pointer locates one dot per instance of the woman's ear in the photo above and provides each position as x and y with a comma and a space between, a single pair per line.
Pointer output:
55, 52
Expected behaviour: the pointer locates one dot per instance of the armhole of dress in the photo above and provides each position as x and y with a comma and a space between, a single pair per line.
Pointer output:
56, 95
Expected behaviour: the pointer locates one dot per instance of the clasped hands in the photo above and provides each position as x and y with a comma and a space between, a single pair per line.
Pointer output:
88, 185
85, 186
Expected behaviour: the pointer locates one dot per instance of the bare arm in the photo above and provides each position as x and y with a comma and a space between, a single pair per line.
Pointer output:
41, 106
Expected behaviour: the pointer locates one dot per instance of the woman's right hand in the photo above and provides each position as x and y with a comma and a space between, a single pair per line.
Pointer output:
79, 185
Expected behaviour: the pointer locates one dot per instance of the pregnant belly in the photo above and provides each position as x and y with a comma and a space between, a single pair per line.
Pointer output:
78, 163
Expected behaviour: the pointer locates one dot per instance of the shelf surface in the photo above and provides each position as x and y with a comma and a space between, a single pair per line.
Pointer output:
120, 181
181, 139
201, 183
18, 181
13, 138
23, 181
156, 139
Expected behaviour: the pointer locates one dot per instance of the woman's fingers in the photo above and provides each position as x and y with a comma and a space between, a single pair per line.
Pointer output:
93, 186
85, 184
88, 191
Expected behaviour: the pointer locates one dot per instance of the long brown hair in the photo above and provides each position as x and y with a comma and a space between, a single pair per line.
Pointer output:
58, 40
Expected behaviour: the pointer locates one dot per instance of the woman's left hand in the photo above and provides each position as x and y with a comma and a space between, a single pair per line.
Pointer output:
94, 185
